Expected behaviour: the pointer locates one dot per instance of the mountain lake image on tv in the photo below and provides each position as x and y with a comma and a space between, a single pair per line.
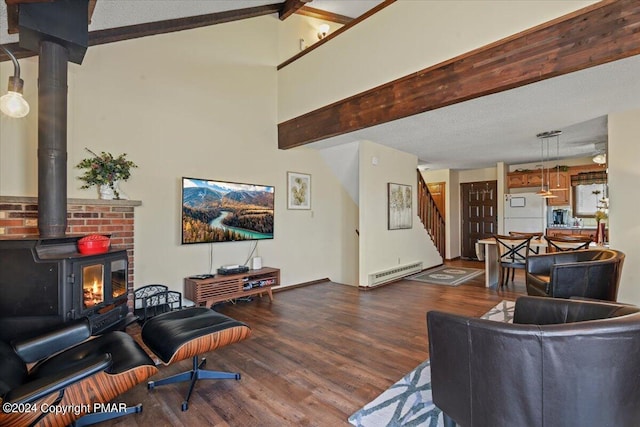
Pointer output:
218, 211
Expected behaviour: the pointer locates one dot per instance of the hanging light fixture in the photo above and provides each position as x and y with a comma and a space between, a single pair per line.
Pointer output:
544, 138
556, 134
542, 191
12, 103
600, 158
323, 31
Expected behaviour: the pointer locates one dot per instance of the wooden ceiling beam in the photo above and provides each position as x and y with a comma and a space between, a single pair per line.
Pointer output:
289, 7
600, 33
324, 15
111, 35
92, 7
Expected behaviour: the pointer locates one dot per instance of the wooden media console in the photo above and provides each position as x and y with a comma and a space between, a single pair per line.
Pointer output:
231, 286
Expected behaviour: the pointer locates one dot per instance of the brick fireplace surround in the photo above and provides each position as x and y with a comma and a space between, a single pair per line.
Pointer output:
19, 219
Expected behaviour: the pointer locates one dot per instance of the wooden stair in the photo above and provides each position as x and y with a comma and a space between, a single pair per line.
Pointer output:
431, 216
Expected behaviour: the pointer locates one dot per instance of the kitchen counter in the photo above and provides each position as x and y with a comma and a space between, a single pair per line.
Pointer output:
581, 231
566, 227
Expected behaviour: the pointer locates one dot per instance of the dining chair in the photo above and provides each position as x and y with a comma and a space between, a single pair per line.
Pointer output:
532, 249
534, 236
512, 254
567, 243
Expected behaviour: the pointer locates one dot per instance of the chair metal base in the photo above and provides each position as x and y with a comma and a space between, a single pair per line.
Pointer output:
197, 373
98, 417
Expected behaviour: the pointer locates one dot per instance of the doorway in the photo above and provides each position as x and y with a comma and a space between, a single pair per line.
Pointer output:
479, 214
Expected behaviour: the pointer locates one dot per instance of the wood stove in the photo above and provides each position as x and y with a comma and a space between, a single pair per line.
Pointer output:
44, 282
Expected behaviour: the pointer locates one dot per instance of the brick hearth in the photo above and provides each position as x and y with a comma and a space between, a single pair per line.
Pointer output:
19, 219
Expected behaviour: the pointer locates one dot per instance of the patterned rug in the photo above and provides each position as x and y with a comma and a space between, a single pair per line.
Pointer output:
408, 402
446, 275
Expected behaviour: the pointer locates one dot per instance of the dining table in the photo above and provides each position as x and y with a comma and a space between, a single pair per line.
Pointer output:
491, 266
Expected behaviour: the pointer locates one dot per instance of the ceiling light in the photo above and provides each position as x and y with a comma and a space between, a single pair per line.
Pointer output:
600, 159
544, 138
12, 103
557, 187
323, 30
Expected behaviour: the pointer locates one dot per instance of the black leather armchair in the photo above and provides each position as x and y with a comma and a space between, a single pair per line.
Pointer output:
71, 371
562, 363
592, 273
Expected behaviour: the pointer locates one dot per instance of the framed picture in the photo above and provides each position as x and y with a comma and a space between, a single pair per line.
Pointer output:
399, 199
298, 190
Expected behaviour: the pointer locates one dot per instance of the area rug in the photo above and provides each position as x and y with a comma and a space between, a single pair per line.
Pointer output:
408, 402
446, 275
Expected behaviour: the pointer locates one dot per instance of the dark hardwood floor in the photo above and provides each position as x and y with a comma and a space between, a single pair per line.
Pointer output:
317, 354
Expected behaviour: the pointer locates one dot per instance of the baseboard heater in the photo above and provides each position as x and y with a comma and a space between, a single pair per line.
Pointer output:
394, 273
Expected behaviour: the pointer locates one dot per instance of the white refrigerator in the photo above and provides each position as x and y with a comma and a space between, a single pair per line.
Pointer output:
524, 212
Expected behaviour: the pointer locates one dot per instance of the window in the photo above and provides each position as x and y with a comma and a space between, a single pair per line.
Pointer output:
587, 199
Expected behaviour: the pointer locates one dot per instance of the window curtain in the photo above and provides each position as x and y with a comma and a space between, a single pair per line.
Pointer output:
588, 178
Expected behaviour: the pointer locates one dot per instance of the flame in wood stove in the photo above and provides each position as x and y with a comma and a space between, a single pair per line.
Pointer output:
93, 293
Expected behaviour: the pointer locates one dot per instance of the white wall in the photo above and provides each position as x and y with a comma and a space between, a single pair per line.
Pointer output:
477, 175
198, 103
18, 169
343, 160
624, 195
297, 27
401, 39
381, 248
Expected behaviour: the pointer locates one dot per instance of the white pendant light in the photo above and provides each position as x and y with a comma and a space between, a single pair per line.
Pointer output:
12, 103
600, 159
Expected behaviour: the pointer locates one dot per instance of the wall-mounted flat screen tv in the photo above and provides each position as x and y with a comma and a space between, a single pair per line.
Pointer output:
219, 211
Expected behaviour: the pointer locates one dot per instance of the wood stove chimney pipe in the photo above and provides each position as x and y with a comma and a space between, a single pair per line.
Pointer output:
59, 32
52, 140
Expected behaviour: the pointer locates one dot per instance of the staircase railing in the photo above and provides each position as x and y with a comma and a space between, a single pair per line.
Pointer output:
430, 216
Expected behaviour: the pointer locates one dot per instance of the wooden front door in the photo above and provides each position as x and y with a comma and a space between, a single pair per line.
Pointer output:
479, 214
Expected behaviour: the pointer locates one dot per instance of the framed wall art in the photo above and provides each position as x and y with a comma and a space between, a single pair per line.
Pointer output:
298, 190
399, 199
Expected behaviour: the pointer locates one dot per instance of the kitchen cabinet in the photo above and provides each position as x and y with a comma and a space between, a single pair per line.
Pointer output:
558, 180
524, 179
576, 231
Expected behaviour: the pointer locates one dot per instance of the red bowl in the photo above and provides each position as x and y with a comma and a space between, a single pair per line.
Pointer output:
93, 244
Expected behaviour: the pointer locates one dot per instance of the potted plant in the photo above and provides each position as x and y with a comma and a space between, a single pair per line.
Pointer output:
106, 171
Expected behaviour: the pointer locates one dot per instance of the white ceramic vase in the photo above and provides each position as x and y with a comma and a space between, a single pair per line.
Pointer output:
111, 192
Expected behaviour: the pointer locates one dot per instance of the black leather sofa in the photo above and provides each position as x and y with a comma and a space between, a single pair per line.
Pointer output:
591, 273
562, 363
